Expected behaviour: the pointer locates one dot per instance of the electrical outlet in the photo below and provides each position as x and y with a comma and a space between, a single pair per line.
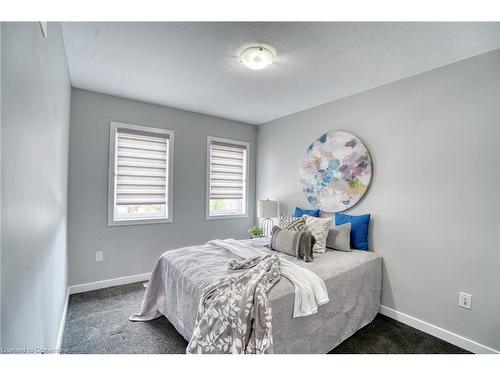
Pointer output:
99, 256
465, 300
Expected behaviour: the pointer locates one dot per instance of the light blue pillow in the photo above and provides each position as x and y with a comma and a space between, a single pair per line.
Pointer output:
299, 212
359, 229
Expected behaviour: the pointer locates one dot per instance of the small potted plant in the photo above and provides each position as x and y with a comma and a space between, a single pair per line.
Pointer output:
256, 231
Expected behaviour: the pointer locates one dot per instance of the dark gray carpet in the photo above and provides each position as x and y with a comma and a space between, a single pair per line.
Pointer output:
97, 322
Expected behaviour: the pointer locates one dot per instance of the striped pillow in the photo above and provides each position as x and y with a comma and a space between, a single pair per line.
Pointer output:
298, 244
292, 223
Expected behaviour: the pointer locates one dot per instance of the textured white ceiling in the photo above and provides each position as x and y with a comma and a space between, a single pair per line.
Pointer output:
193, 66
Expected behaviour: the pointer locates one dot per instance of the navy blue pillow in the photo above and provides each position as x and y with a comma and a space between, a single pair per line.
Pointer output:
359, 229
299, 212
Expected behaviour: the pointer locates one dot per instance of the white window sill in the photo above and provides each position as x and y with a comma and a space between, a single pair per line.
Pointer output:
139, 222
223, 217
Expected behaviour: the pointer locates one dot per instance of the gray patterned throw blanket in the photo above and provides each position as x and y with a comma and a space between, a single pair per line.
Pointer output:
234, 314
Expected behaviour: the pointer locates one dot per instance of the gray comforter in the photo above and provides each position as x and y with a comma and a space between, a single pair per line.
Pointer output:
353, 281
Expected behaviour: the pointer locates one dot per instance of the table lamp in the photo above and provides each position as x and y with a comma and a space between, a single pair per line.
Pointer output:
266, 210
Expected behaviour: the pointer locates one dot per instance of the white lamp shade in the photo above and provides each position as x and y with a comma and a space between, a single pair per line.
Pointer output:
267, 208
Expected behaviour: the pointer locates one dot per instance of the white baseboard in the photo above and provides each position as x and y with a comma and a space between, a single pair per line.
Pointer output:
62, 324
107, 283
438, 332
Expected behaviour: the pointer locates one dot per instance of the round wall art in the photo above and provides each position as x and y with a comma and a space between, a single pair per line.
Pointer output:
336, 171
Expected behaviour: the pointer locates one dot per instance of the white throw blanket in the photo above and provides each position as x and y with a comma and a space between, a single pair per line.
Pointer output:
310, 290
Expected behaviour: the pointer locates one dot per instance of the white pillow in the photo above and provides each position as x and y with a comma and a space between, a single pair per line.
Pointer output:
318, 226
339, 237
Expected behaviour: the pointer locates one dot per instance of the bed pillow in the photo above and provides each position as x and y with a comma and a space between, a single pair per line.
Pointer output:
359, 229
318, 226
339, 237
293, 243
291, 223
299, 212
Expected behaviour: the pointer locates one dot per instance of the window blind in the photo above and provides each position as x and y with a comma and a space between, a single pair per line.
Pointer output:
140, 168
227, 171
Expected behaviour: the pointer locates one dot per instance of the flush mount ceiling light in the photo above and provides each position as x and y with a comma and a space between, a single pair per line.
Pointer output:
257, 56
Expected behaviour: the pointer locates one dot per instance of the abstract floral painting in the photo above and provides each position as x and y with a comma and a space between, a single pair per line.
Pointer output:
336, 171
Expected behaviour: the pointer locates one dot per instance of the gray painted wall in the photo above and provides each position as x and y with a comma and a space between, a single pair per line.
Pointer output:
435, 193
130, 250
0, 184
35, 132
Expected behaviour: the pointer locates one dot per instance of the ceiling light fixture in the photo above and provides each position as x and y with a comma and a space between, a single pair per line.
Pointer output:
257, 56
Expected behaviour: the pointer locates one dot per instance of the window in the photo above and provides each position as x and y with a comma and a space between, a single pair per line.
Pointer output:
140, 174
227, 178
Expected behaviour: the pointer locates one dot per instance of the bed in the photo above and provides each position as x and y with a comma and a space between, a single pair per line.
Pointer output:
353, 280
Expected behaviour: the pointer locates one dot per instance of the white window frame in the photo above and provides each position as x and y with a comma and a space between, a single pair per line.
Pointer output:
211, 139
114, 126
